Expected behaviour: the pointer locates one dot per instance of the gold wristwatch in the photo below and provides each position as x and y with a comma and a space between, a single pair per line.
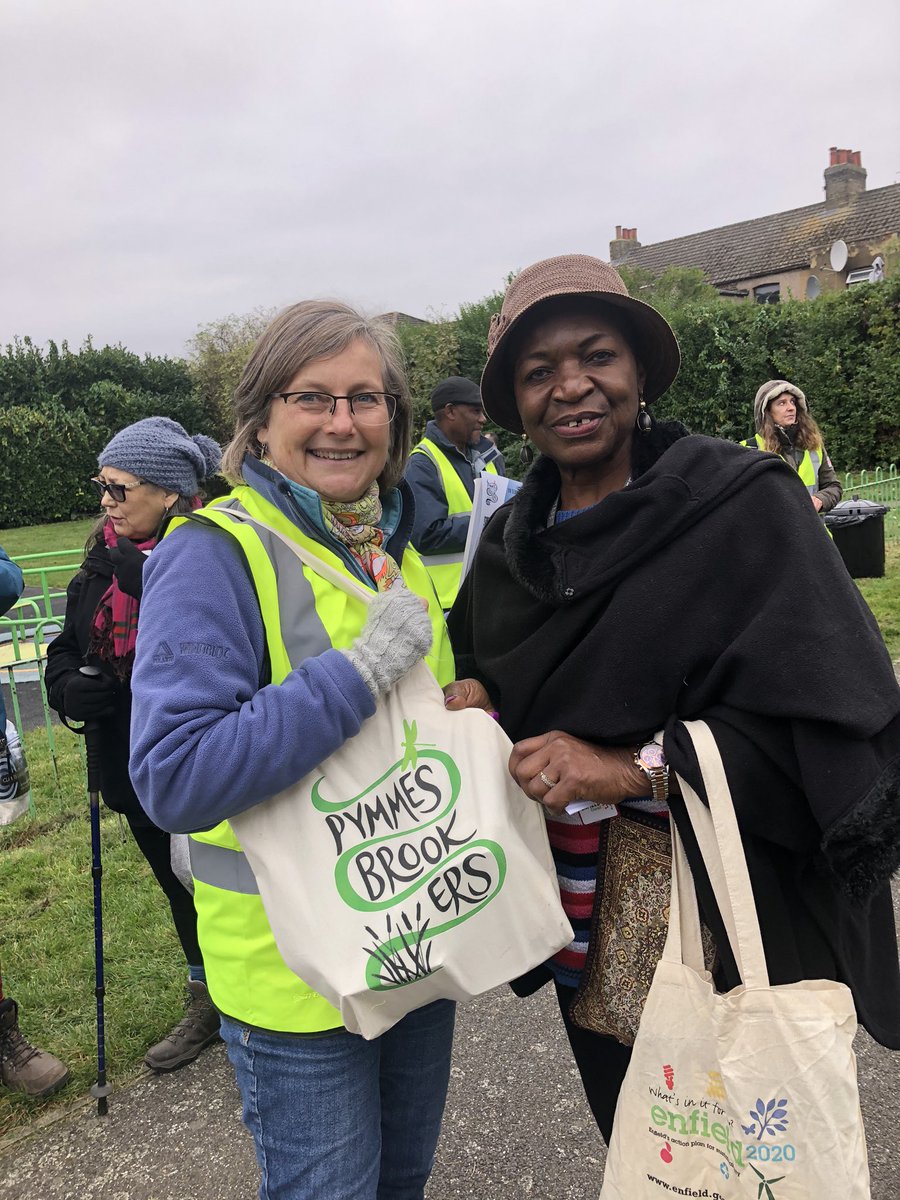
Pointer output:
651, 759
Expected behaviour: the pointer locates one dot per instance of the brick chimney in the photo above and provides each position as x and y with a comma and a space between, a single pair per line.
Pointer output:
622, 244
845, 177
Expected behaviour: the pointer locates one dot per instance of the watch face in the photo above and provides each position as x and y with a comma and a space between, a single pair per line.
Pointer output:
652, 755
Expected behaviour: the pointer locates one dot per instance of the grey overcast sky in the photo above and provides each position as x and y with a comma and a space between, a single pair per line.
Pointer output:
166, 164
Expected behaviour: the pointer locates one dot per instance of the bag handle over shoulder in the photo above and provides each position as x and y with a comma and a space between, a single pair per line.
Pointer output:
322, 568
719, 839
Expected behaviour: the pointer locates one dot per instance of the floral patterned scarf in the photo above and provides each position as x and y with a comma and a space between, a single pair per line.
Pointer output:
356, 525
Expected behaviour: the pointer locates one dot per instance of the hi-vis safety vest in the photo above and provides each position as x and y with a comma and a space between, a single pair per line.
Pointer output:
303, 615
446, 569
808, 468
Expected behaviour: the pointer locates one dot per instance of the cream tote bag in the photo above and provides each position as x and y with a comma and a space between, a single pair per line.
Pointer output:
751, 1093
408, 866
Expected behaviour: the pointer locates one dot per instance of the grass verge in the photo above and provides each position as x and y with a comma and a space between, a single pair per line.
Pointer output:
883, 597
42, 539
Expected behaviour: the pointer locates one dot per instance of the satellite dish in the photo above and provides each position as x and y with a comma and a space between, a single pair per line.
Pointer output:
813, 288
838, 255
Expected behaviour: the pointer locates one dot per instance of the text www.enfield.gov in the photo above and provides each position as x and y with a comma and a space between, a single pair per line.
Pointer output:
685, 1191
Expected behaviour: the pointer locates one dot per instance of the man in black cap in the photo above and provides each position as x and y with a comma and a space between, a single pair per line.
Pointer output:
441, 472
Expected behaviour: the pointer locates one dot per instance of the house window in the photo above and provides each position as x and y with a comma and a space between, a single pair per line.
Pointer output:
767, 293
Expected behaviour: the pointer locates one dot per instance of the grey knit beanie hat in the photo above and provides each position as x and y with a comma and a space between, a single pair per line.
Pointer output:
771, 391
159, 450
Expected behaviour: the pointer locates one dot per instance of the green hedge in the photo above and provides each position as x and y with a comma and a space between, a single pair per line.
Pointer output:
842, 349
47, 456
59, 408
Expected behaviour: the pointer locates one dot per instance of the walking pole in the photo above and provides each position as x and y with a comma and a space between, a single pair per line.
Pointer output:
101, 1088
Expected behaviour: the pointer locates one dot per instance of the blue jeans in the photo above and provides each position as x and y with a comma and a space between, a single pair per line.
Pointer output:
334, 1117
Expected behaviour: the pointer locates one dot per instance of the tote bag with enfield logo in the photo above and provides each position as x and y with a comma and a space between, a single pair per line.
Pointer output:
408, 866
751, 1093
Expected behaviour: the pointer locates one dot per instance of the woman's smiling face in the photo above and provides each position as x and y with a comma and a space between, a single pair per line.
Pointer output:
332, 455
577, 385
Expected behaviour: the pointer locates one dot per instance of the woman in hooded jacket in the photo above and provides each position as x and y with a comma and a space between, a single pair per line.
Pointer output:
784, 426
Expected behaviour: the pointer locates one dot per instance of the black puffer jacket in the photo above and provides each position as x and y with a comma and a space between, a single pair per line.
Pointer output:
67, 653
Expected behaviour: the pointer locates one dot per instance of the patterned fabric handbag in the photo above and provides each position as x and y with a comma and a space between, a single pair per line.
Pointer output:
634, 882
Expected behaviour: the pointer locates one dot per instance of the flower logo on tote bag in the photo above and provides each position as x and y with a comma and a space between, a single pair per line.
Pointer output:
767, 1118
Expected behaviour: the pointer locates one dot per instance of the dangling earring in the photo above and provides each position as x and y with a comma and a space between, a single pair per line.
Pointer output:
526, 454
264, 453
643, 421
162, 520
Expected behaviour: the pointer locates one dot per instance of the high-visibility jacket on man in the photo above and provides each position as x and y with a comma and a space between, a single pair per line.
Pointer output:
443, 481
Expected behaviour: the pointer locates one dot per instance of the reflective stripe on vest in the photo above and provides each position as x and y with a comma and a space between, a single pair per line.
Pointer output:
446, 569
302, 615
222, 868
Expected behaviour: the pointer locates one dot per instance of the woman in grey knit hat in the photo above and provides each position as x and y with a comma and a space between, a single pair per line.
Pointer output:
785, 427
148, 471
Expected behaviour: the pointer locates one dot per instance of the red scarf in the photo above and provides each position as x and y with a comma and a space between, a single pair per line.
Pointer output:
114, 628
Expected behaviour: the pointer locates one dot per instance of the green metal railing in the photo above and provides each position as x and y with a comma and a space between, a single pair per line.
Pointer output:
881, 485
37, 572
23, 655
28, 627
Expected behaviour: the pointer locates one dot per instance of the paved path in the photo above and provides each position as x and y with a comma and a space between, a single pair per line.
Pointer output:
516, 1125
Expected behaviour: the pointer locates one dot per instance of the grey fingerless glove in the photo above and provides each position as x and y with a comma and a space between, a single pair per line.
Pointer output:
397, 633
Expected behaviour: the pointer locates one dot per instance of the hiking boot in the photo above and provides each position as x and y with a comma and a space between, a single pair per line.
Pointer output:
24, 1068
197, 1028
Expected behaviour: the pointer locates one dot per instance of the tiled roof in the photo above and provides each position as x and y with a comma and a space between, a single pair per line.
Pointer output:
400, 318
781, 242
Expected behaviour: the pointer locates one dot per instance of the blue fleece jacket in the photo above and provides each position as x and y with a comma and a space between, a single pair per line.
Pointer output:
207, 741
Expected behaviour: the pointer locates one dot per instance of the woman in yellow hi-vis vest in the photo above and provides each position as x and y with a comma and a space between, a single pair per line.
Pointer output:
252, 670
785, 427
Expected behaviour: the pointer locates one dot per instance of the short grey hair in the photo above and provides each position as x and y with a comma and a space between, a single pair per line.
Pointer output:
300, 334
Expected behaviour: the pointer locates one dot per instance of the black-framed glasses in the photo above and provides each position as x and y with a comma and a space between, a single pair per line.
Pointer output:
118, 491
368, 408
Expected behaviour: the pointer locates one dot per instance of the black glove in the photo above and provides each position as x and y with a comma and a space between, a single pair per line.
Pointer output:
87, 697
128, 566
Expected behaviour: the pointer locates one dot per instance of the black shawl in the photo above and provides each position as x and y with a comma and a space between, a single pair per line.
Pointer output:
709, 589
